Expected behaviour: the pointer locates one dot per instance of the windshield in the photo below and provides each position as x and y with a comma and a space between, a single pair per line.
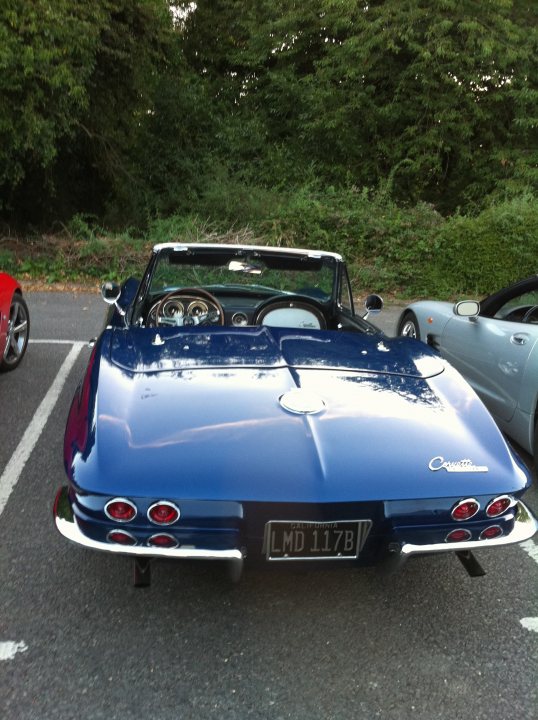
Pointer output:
240, 271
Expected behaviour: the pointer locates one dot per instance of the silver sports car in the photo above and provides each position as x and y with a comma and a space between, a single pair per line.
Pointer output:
494, 344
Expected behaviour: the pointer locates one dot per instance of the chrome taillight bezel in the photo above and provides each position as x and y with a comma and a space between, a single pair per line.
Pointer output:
129, 535
467, 537
172, 545
463, 502
120, 500
166, 503
511, 503
490, 527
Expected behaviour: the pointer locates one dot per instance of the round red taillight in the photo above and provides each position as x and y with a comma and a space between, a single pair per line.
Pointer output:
121, 537
491, 532
498, 506
163, 513
465, 509
459, 535
162, 540
120, 509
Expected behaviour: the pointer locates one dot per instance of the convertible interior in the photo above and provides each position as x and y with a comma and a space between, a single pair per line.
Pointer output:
237, 287
523, 314
196, 306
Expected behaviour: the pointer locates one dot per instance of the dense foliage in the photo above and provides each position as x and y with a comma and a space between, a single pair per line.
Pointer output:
398, 131
406, 252
76, 79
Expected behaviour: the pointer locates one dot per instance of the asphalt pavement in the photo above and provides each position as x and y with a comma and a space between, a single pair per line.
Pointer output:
78, 642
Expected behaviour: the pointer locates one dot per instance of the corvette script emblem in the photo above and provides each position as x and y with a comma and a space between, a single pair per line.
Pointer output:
439, 463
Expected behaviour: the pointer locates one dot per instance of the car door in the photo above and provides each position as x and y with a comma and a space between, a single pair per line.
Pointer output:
491, 354
346, 319
5, 297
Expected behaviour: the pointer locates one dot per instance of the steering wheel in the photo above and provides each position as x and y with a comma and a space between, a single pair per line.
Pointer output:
528, 315
291, 311
188, 307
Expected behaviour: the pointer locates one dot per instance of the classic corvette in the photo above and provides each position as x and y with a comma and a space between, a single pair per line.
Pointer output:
236, 408
14, 323
494, 345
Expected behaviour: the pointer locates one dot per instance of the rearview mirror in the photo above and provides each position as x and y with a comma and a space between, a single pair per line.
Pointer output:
245, 266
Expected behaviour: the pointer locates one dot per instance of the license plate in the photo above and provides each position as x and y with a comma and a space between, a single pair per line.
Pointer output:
305, 540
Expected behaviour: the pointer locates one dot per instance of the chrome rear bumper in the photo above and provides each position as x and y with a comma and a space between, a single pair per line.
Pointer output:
67, 525
525, 526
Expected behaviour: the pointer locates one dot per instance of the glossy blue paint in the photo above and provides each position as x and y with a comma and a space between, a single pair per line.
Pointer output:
240, 426
134, 350
205, 420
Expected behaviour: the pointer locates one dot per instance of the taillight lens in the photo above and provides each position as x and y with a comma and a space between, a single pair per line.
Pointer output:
163, 513
162, 540
498, 506
458, 535
121, 510
491, 532
121, 537
465, 509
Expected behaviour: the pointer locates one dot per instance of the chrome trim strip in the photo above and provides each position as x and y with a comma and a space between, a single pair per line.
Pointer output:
525, 527
66, 524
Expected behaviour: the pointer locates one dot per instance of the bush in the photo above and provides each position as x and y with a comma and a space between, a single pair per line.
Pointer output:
477, 255
408, 252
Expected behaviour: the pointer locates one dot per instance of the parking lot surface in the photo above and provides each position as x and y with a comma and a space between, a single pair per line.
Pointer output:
77, 641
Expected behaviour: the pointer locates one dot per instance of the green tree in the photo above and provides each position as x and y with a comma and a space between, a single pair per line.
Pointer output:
47, 56
436, 99
76, 79
435, 96
125, 109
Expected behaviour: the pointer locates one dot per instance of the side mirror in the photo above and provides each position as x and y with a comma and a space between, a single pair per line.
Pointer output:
110, 292
373, 304
467, 308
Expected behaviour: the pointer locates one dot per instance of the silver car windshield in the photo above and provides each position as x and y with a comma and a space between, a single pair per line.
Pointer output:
258, 273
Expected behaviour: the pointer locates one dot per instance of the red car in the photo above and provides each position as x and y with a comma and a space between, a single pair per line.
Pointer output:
14, 323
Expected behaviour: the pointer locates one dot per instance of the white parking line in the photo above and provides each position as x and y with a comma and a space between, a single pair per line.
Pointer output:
9, 649
531, 549
530, 623
40, 341
15, 466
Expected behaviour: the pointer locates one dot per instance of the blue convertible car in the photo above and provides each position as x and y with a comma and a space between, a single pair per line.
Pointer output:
236, 409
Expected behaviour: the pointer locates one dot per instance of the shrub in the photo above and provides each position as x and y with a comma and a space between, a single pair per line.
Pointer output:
480, 254
405, 251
